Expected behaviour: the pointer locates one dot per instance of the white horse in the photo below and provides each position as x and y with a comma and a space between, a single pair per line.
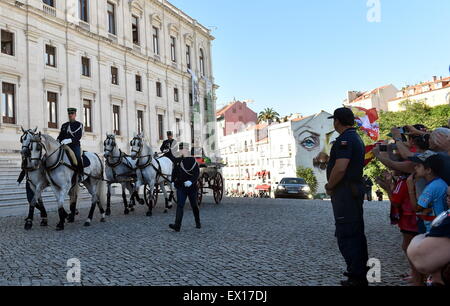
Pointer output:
121, 169
28, 171
51, 157
151, 171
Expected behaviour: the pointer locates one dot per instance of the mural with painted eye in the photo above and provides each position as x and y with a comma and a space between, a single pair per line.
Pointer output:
309, 140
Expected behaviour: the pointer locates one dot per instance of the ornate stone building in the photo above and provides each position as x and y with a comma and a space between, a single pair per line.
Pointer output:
128, 66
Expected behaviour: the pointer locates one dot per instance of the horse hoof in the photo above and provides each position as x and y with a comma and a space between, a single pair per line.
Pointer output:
141, 201
170, 206
76, 212
71, 218
149, 214
102, 220
165, 211
59, 227
126, 211
44, 223
108, 212
87, 223
28, 226
132, 208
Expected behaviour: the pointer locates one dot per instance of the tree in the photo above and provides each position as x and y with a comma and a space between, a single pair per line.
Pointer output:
415, 112
308, 175
268, 115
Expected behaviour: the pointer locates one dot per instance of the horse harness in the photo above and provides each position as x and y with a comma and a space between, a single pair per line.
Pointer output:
149, 162
58, 162
113, 166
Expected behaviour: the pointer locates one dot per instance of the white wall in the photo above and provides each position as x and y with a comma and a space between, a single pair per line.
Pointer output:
433, 98
33, 78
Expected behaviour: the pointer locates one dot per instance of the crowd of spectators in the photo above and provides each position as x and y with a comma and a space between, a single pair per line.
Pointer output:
417, 184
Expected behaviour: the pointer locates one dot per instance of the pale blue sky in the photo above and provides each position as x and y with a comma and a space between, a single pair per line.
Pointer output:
303, 56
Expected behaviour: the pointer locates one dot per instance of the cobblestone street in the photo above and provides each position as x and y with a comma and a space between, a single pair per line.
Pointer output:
242, 242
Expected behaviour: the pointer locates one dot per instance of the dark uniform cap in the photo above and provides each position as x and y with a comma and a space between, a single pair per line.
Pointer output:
169, 133
71, 110
344, 115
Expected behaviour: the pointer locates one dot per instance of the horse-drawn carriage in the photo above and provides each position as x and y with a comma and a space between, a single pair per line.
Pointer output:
45, 159
210, 178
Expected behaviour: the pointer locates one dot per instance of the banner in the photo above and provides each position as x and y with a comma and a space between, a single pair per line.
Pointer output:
195, 117
367, 121
369, 156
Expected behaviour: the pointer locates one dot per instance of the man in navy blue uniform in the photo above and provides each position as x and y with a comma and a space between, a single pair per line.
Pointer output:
169, 146
70, 134
346, 188
185, 176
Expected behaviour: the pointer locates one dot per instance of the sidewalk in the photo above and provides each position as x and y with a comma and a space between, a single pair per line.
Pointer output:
22, 209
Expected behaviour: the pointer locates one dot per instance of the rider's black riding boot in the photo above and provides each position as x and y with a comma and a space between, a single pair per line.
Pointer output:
80, 171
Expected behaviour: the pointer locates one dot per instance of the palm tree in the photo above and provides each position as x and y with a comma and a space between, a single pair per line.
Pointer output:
268, 115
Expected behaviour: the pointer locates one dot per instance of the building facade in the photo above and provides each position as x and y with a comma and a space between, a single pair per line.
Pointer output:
377, 98
245, 154
433, 93
264, 154
234, 117
127, 66
389, 98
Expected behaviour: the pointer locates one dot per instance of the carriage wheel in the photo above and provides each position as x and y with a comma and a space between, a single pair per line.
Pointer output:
218, 188
200, 191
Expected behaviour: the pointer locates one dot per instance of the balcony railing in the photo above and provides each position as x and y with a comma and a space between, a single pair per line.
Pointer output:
49, 10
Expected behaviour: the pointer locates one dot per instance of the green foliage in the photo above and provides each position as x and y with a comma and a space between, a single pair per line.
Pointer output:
268, 115
309, 176
415, 112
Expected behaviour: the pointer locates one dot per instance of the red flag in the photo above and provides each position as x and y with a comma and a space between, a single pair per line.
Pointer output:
369, 156
367, 121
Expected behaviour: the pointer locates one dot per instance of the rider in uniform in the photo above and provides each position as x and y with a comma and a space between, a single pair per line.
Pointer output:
70, 135
185, 176
346, 188
169, 147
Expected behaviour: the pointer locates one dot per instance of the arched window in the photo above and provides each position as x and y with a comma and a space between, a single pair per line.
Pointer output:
202, 62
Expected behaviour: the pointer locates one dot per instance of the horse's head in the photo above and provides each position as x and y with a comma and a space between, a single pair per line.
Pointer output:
25, 140
36, 148
136, 144
109, 145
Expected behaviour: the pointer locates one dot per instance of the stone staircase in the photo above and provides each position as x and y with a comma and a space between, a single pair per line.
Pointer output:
12, 195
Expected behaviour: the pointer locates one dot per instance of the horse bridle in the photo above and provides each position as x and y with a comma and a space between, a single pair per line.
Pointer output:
29, 133
139, 152
140, 145
40, 147
113, 144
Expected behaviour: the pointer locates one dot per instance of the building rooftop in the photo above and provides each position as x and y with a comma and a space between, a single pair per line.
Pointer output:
429, 86
368, 94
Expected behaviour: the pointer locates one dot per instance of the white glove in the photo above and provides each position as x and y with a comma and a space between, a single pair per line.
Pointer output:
66, 141
187, 184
